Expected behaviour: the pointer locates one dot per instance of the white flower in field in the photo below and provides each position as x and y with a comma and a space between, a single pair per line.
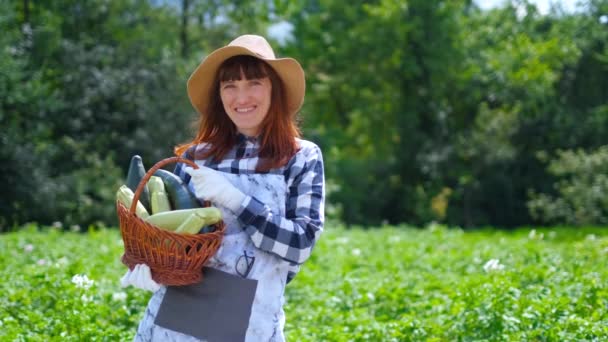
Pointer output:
511, 319
75, 228
342, 240
28, 248
590, 237
371, 296
42, 262
61, 262
493, 265
57, 224
119, 296
82, 281
434, 226
356, 252
532, 235
394, 239
335, 299
86, 298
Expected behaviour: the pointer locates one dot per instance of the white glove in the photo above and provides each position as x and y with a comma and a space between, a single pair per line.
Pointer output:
212, 186
140, 277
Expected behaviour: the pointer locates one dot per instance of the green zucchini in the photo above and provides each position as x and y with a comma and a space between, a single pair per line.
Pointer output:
125, 196
171, 220
134, 175
159, 200
196, 221
156, 184
179, 195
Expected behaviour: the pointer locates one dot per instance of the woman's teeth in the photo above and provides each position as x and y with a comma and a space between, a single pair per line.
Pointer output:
244, 110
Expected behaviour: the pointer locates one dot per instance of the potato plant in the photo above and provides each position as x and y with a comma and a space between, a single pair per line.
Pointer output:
393, 283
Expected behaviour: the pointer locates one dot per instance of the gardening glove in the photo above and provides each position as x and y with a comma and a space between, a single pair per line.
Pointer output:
212, 186
140, 277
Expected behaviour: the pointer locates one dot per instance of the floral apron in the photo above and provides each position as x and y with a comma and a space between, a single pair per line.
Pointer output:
239, 258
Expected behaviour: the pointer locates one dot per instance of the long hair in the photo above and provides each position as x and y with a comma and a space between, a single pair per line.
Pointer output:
278, 131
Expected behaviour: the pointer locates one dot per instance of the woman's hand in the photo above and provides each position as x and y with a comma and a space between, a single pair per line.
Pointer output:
212, 186
140, 277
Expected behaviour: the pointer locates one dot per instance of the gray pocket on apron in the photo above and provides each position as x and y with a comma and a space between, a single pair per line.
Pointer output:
216, 309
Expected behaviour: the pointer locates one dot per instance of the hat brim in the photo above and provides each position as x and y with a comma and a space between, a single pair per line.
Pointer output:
288, 69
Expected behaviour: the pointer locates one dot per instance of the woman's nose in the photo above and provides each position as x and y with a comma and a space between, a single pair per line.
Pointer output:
242, 96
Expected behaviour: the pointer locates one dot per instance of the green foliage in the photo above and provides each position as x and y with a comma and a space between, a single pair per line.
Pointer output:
378, 84
41, 301
580, 190
506, 96
388, 284
403, 284
84, 87
413, 102
415, 97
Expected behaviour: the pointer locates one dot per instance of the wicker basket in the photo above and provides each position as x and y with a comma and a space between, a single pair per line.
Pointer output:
174, 259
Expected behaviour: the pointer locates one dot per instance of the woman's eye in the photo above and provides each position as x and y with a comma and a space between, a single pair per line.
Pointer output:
258, 80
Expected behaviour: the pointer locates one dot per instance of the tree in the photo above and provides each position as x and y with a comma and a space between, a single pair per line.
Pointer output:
85, 85
378, 74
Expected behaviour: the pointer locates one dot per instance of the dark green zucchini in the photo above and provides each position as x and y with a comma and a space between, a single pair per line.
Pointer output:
134, 175
179, 195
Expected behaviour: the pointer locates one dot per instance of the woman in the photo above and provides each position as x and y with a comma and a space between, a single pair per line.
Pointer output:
269, 185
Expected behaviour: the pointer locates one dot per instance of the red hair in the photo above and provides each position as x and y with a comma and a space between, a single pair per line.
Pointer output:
278, 131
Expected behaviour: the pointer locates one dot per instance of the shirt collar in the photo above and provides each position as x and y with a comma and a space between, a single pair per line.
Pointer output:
242, 138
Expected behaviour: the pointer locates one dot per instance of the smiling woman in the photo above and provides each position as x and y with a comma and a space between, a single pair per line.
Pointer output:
269, 185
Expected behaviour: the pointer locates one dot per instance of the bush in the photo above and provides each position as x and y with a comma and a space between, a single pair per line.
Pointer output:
580, 195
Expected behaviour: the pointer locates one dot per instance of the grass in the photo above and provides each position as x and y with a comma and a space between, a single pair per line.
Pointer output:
385, 284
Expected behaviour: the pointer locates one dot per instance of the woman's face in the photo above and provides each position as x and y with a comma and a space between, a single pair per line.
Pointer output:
246, 102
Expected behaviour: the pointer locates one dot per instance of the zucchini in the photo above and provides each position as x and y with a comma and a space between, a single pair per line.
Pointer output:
156, 184
125, 196
179, 195
171, 220
159, 201
134, 175
194, 223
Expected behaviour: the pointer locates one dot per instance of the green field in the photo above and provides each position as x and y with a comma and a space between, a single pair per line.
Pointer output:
386, 284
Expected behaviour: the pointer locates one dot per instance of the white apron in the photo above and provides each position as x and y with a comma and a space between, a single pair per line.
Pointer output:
267, 317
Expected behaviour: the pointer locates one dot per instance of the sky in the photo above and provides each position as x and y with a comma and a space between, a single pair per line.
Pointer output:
542, 5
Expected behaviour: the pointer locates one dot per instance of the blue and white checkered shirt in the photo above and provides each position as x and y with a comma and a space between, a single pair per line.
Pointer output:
293, 236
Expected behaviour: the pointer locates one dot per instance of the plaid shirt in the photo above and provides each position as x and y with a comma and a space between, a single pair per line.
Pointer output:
293, 236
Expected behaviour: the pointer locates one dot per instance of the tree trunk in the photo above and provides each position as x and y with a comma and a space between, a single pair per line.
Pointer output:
26, 11
184, 28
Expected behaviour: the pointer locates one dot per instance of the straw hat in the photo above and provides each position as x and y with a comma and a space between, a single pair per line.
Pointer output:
288, 69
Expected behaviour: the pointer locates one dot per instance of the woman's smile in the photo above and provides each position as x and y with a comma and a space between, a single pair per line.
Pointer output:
246, 110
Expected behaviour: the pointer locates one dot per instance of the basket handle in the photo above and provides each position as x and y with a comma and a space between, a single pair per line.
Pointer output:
158, 165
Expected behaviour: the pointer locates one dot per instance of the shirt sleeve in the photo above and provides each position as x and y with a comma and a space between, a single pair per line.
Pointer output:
179, 169
293, 236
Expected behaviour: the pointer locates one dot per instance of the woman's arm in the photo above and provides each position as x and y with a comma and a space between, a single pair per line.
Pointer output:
292, 236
